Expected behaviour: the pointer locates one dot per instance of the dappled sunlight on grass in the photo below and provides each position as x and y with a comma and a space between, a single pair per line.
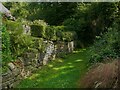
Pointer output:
69, 63
54, 76
47, 78
60, 73
64, 72
33, 76
63, 67
60, 60
56, 68
78, 51
70, 66
79, 60
50, 65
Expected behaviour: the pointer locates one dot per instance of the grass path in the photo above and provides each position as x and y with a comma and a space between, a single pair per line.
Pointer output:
61, 73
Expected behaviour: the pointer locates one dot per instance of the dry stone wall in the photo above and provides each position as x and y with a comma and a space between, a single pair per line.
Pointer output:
30, 62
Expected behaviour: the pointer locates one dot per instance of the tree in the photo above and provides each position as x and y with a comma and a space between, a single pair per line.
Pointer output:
91, 19
53, 13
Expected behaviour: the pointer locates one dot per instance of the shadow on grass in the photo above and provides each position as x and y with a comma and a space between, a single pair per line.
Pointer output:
61, 73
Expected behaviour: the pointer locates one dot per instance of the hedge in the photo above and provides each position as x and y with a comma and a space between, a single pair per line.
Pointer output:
53, 33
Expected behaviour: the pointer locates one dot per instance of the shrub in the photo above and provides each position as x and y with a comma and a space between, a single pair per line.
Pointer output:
37, 31
39, 44
107, 46
39, 22
50, 33
59, 33
38, 28
6, 53
116, 47
68, 36
20, 43
13, 26
53, 33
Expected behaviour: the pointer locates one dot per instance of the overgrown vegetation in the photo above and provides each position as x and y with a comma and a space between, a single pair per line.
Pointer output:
107, 46
55, 33
61, 73
6, 52
93, 25
101, 76
21, 43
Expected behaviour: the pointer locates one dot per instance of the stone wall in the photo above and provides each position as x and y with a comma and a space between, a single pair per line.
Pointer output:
31, 61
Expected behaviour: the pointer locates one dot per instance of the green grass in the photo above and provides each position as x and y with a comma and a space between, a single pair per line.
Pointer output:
61, 73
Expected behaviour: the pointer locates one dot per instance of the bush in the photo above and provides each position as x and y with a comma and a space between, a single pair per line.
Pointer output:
59, 33
37, 31
108, 46
13, 26
53, 33
39, 44
38, 28
20, 43
116, 47
68, 36
50, 33
6, 53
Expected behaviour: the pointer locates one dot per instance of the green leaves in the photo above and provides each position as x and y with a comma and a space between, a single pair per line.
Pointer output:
20, 44
6, 53
19, 10
54, 33
108, 46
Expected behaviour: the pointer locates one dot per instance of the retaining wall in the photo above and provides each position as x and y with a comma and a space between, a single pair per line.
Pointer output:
30, 62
